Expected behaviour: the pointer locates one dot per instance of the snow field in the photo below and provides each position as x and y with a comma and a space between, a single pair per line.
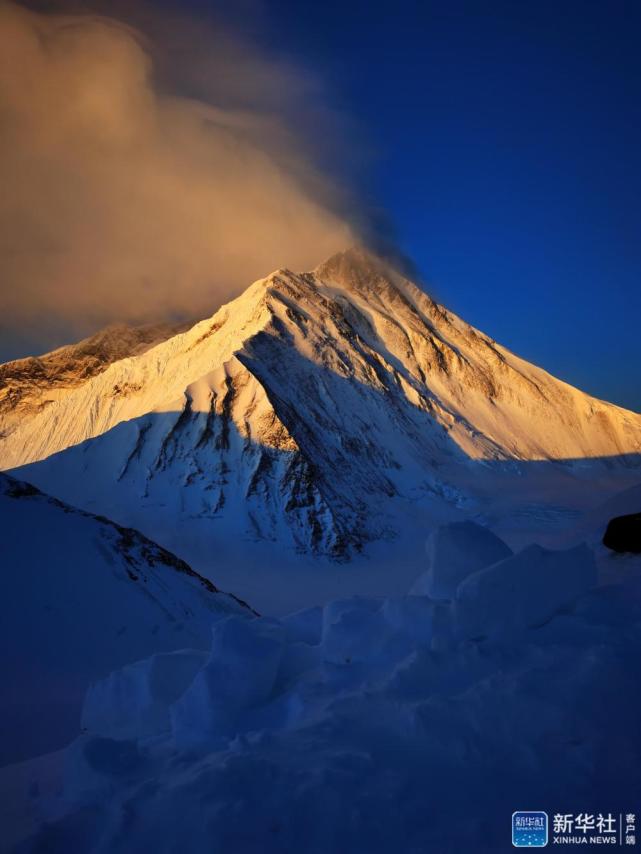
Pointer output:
371, 724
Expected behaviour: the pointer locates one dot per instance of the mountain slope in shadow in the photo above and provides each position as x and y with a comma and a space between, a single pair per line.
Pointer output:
83, 596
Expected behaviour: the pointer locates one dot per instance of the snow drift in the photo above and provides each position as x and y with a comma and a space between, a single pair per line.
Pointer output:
374, 725
455, 551
83, 596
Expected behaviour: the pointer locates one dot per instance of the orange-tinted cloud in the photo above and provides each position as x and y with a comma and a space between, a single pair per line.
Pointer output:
121, 202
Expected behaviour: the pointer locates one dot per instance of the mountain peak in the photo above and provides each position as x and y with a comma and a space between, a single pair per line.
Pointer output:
315, 408
359, 268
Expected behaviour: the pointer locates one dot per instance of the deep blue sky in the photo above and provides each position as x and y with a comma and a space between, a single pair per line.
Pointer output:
507, 139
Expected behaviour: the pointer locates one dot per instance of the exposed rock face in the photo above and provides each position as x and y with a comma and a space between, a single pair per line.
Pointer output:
307, 411
623, 534
28, 385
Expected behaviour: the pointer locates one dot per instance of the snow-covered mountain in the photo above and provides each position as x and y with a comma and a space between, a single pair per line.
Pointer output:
317, 415
318, 410
81, 596
30, 384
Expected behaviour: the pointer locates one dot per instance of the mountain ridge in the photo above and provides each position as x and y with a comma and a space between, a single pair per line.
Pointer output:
306, 409
26, 382
84, 595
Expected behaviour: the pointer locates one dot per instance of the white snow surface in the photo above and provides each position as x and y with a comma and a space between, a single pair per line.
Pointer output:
326, 434
455, 551
526, 589
318, 417
31, 384
81, 597
400, 724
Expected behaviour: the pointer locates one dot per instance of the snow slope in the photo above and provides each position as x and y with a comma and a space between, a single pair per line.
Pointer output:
30, 384
319, 412
82, 596
369, 725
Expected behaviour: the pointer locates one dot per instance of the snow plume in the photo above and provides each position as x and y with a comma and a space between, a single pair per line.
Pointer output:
132, 195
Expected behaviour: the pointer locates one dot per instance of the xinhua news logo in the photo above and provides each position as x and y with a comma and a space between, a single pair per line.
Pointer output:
529, 829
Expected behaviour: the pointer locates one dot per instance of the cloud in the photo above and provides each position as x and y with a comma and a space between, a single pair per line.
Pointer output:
141, 183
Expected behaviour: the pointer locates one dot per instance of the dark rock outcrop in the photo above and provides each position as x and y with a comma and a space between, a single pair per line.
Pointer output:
623, 534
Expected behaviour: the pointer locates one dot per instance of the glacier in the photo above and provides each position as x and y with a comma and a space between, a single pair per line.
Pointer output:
372, 725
